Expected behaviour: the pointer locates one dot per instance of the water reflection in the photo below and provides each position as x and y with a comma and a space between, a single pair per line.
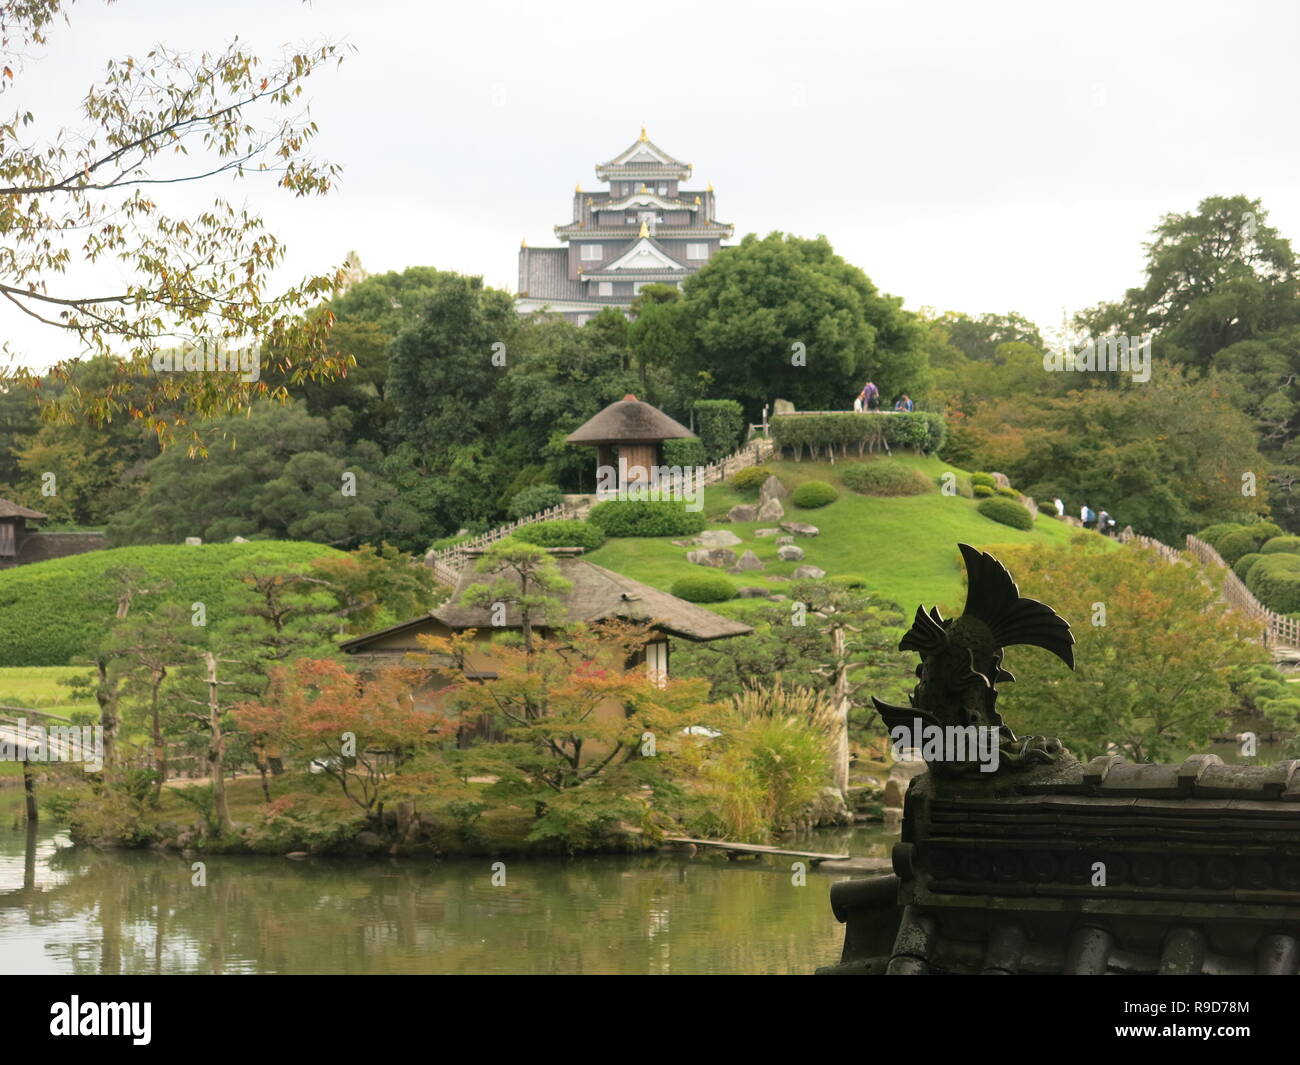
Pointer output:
79, 910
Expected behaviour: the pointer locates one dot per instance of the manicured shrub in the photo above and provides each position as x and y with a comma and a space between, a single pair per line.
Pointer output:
981, 491
1007, 512
534, 499
848, 581
1010, 493
1211, 533
720, 424
1281, 545
840, 432
813, 494
687, 452
1265, 531
1242, 566
984, 478
885, 478
1275, 581
52, 612
704, 588
750, 479
567, 532
1047, 507
629, 517
1233, 545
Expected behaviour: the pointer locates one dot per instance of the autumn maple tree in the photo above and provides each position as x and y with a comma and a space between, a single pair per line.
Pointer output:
358, 729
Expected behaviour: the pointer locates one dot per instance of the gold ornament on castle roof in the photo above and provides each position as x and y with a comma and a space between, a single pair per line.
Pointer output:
645, 232
643, 136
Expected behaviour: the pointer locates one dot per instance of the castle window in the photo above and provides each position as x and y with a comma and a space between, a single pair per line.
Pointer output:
697, 251
607, 288
592, 253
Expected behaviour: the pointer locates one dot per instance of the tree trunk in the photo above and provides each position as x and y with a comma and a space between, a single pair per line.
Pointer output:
159, 750
29, 791
840, 742
107, 699
216, 747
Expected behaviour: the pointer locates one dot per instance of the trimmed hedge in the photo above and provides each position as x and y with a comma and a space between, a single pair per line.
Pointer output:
704, 588
1235, 544
982, 491
1281, 545
750, 479
52, 612
1265, 531
720, 424
1007, 512
687, 452
1010, 493
813, 494
923, 431
564, 532
1275, 581
636, 517
986, 479
1211, 534
885, 478
1047, 508
1242, 566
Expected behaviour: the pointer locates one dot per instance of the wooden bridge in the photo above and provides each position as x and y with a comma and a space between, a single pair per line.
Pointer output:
735, 849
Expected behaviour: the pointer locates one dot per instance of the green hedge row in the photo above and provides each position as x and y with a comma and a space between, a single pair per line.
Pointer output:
564, 532
634, 517
813, 494
923, 431
51, 612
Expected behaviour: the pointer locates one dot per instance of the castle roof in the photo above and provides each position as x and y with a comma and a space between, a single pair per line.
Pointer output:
643, 159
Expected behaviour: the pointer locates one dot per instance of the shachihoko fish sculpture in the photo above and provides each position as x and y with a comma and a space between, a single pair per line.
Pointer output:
961, 662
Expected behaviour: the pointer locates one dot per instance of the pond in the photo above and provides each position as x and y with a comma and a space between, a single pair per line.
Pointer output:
67, 909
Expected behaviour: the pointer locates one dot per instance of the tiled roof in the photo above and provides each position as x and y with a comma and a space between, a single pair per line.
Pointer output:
544, 274
1096, 867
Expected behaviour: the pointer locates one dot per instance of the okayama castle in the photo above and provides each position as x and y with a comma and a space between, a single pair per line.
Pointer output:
646, 229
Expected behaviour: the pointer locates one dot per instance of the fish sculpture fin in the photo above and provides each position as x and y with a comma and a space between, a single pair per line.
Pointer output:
927, 635
993, 598
902, 716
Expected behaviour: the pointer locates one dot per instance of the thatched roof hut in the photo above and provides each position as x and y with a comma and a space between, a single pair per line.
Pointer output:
629, 421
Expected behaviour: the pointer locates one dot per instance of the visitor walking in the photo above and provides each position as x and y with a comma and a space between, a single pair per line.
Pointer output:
1086, 515
1102, 519
1060, 507
870, 396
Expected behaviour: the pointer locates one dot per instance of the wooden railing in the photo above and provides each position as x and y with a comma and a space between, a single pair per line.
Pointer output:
1276, 628
448, 564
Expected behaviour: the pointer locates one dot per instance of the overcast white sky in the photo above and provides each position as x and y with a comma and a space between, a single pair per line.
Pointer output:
968, 156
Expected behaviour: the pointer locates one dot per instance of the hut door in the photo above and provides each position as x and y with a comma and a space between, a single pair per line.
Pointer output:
7, 546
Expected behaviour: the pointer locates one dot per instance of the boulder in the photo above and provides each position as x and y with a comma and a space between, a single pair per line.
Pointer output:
771, 510
743, 512
893, 819
781, 541
772, 489
748, 561
782, 406
766, 532
1001, 480
789, 553
717, 538
193, 541
809, 573
752, 592
800, 528
778, 598
717, 557
368, 841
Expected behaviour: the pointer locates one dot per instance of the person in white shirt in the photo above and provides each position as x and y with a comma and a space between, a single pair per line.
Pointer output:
1060, 507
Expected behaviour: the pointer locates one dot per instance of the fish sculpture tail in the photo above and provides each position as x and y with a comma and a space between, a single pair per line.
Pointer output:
993, 598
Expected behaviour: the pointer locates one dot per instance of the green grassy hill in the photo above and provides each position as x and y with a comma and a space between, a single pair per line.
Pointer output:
904, 548
51, 611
